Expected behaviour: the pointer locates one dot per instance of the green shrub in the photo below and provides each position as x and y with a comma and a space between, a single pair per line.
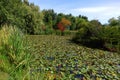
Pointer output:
107, 38
68, 32
112, 38
89, 36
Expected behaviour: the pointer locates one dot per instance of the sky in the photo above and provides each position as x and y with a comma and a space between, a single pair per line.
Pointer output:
101, 10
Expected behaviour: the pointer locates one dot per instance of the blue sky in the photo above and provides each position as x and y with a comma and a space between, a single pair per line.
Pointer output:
102, 10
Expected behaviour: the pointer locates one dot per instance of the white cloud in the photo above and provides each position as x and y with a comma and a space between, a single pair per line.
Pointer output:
92, 9
98, 9
103, 13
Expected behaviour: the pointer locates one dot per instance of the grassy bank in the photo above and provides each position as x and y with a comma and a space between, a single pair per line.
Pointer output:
14, 54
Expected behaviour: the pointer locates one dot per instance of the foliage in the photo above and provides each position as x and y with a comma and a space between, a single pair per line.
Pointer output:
63, 24
61, 27
81, 23
14, 53
23, 15
52, 19
57, 58
49, 18
89, 35
112, 38
95, 36
113, 22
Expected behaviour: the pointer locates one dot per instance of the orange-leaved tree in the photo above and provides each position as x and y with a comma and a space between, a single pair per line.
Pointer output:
63, 24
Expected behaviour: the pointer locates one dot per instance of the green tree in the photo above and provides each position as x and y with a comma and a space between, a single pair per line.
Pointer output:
95, 28
49, 18
81, 23
113, 22
24, 15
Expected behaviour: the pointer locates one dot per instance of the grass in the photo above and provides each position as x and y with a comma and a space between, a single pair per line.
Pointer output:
4, 76
51, 57
14, 53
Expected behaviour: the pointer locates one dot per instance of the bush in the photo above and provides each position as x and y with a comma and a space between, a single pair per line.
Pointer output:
89, 36
14, 52
107, 38
112, 38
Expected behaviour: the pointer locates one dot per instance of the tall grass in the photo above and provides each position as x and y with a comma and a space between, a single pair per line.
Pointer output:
14, 53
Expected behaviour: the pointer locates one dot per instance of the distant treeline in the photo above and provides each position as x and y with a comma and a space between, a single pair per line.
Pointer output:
31, 20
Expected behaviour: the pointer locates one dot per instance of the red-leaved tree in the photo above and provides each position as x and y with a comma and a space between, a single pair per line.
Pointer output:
63, 24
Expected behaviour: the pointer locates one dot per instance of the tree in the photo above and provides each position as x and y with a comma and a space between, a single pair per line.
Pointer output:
73, 23
22, 14
61, 27
113, 22
95, 23
26, 2
81, 23
49, 18
95, 27
63, 24
29, 23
